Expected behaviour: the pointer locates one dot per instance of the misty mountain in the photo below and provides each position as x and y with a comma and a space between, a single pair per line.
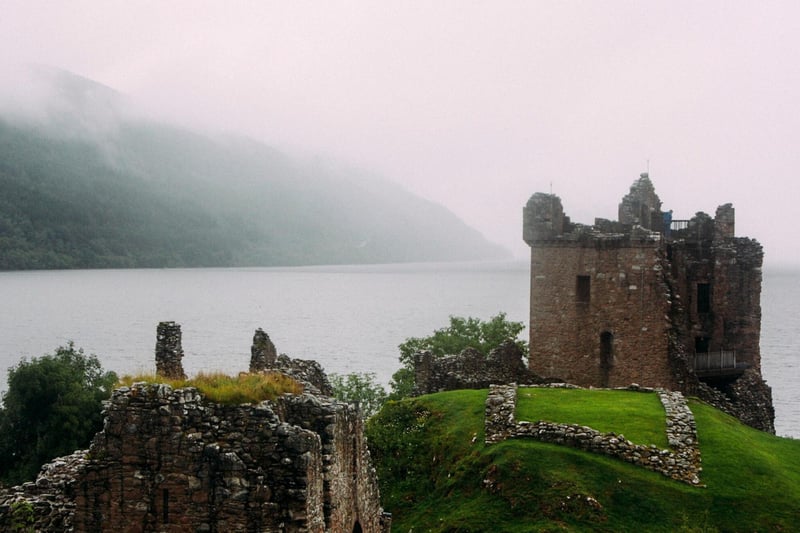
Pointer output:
87, 183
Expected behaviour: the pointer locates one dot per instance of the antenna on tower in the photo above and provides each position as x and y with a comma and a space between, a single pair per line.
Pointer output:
551, 187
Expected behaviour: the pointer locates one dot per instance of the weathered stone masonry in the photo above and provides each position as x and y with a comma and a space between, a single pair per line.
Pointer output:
470, 369
169, 460
169, 351
263, 353
650, 300
681, 462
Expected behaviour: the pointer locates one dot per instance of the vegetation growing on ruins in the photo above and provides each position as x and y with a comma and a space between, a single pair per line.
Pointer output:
51, 408
461, 333
230, 390
437, 474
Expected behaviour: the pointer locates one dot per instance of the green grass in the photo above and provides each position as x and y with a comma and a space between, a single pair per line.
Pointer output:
639, 417
436, 474
224, 389
744, 467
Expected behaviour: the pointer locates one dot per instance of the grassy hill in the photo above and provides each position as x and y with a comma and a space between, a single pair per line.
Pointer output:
438, 475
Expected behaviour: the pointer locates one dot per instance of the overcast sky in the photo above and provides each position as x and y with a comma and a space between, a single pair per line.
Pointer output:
476, 105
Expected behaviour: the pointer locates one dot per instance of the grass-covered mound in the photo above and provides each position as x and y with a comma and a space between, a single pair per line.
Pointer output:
437, 474
640, 417
221, 388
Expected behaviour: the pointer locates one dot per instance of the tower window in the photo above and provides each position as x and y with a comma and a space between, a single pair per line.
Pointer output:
703, 298
165, 505
583, 289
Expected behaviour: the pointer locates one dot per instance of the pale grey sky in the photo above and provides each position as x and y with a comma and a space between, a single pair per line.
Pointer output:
475, 105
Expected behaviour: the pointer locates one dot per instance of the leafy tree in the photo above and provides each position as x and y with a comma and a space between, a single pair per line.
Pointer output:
402, 382
462, 333
52, 407
360, 389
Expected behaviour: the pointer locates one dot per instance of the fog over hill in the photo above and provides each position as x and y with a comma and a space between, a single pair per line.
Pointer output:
86, 182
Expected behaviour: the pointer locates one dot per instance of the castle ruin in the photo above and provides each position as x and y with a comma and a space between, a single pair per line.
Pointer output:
170, 460
649, 300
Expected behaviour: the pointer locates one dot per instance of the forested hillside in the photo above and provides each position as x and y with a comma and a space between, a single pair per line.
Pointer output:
84, 184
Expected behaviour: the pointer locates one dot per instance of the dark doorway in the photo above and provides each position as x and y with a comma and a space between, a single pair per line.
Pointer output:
357, 527
606, 357
701, 344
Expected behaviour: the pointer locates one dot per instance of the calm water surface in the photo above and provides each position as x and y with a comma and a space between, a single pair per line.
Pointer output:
349, 318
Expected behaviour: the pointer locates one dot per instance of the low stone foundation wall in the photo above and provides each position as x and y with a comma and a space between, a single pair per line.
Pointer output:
681, 463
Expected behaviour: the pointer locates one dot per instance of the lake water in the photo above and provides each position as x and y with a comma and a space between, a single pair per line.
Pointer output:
349, 318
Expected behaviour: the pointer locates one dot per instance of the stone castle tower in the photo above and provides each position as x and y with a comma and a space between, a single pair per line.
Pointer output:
648, 300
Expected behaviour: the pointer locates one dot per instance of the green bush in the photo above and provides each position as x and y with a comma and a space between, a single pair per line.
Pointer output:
462, 333
52, 407
360, 389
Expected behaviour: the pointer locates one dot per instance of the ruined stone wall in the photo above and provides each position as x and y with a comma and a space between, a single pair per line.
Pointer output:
350, 489
748, 398
470, 369
262, 353
307, 371
167, 460
169, 351
641, 206
736, 302
731, 267
264, 358
625, 313
543, 218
